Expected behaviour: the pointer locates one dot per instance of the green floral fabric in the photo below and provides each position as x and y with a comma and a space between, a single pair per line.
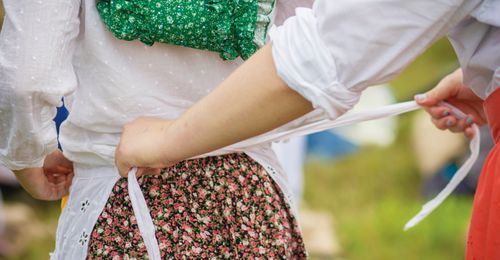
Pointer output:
231, 27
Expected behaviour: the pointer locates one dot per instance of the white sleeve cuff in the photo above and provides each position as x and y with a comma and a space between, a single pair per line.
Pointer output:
30, 136
15, 165
305, 64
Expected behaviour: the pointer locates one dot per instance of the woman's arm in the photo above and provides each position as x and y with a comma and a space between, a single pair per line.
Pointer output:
253, 100
36, 51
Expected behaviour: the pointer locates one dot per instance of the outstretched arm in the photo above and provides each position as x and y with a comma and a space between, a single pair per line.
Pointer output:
253, 100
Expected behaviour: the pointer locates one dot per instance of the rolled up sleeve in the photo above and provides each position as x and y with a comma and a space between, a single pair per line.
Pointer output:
332, 52
36, 49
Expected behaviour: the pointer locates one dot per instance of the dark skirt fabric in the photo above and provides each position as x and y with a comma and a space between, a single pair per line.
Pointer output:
215, 207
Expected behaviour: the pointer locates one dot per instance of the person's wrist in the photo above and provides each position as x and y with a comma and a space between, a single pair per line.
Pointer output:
170, 143
27, 178
22, 172
456, 77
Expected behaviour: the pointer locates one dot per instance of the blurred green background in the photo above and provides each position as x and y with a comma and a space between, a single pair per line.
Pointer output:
373, 193
370, 194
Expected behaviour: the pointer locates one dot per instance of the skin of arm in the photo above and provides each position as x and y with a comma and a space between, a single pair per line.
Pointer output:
252, 101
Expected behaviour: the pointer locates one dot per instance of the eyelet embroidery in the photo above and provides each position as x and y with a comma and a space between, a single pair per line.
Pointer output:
84, 205
84, 237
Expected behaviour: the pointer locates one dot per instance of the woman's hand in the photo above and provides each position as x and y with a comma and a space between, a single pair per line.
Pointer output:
452, 90
142, 145
52, 182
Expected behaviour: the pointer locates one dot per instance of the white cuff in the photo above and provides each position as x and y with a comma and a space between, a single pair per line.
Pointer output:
30, 138
305, 64
15, 165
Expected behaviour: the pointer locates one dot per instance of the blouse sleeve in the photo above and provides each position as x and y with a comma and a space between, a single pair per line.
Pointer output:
36, 48
332, 52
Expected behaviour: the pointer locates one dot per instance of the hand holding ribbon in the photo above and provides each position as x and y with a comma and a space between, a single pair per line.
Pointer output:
142, 145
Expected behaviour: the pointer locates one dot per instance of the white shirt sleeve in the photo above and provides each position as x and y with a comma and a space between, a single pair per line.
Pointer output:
332, 52
36, 49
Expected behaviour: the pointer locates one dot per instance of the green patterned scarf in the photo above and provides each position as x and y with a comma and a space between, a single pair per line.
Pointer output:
230, 27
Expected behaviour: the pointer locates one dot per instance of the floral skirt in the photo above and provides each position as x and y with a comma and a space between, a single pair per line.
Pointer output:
215, 207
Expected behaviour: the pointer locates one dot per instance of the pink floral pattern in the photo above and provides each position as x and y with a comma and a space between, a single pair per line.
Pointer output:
215, 207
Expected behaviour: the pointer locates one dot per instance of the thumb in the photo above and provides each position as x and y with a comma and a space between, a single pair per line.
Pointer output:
123, 169
433, 97
447, 88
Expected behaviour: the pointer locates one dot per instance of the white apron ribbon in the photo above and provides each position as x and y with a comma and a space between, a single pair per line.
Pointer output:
378, 113
145, 222
141, 212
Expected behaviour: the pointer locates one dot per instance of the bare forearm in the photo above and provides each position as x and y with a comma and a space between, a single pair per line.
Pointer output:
252, 101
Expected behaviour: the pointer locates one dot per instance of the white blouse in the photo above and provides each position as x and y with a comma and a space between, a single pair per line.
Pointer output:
55, 48
335, 50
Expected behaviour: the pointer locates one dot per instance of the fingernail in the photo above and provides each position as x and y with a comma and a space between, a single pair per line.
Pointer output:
469, 120
446, 113
420, 97
449, 122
